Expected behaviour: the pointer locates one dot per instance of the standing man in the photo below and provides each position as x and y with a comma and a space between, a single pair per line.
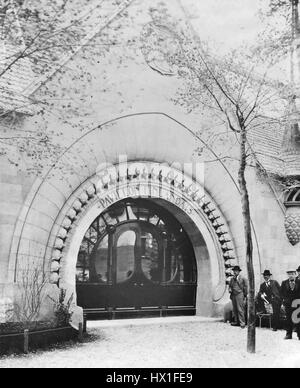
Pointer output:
238, 289
290, 291
270, 292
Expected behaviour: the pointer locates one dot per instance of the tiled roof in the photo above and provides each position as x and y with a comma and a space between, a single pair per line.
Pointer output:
266, 141
14, 79
94, 20
269, 144
290, 150
291, 153
291, 165
27, 75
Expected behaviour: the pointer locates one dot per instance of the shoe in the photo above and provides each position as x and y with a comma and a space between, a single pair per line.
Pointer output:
235, 325
243, 327
274, 329
288, 337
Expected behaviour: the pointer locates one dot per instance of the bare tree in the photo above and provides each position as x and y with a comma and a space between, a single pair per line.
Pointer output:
38, 38
32, 282
281, 20
240, 100
289, 42
33, 36
236, 91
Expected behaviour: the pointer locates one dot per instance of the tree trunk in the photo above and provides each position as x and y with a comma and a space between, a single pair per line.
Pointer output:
251, 344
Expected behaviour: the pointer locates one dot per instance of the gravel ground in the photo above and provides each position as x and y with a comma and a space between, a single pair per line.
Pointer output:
162, 344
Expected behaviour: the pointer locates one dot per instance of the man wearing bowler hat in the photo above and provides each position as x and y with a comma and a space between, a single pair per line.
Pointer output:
290, 291
270, 293
238, 289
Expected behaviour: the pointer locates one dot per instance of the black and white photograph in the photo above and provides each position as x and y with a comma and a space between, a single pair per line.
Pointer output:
149, 186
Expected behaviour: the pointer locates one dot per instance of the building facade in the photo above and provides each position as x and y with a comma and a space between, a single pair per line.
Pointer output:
128, 207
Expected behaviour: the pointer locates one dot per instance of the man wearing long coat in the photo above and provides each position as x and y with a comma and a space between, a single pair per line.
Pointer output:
290, 291
238, 289
270, 292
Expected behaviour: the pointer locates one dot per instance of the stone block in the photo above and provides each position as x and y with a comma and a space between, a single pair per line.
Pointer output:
35, 234
56, 196
9, 209
41, 220
11, 192
6, 233
45, 206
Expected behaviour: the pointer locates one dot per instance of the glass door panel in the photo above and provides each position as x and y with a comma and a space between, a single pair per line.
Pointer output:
99, 262
150, 258
125, 255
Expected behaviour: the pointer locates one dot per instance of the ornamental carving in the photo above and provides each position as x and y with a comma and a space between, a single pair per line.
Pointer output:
158, 184
292, 224
292, 218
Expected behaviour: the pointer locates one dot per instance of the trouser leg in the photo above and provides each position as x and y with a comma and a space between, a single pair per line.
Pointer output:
289, 321
235, 310
276, 315
241, 307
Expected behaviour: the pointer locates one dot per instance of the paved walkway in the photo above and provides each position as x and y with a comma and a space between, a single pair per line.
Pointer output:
165, 343
149, 322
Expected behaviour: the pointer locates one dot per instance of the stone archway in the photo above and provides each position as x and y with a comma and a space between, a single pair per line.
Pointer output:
56, 201
185, 198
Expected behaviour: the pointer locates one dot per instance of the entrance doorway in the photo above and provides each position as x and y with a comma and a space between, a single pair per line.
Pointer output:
136, 260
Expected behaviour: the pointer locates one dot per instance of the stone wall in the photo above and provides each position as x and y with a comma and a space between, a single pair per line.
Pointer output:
101, 88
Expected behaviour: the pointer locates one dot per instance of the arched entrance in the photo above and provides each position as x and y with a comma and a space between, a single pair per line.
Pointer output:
136, 259
183, 205
63, 204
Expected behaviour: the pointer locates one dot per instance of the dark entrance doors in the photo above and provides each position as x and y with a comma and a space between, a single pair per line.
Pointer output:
136, 260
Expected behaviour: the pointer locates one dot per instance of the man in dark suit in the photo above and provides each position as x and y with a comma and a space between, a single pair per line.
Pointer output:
290, 291
270, 293
238, 289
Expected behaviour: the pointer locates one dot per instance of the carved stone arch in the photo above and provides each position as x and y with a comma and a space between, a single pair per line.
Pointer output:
182, 195
151, 137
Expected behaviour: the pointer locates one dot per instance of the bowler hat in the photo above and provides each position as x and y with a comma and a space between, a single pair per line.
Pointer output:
236, 268
291, 271
267, 273
298, 270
